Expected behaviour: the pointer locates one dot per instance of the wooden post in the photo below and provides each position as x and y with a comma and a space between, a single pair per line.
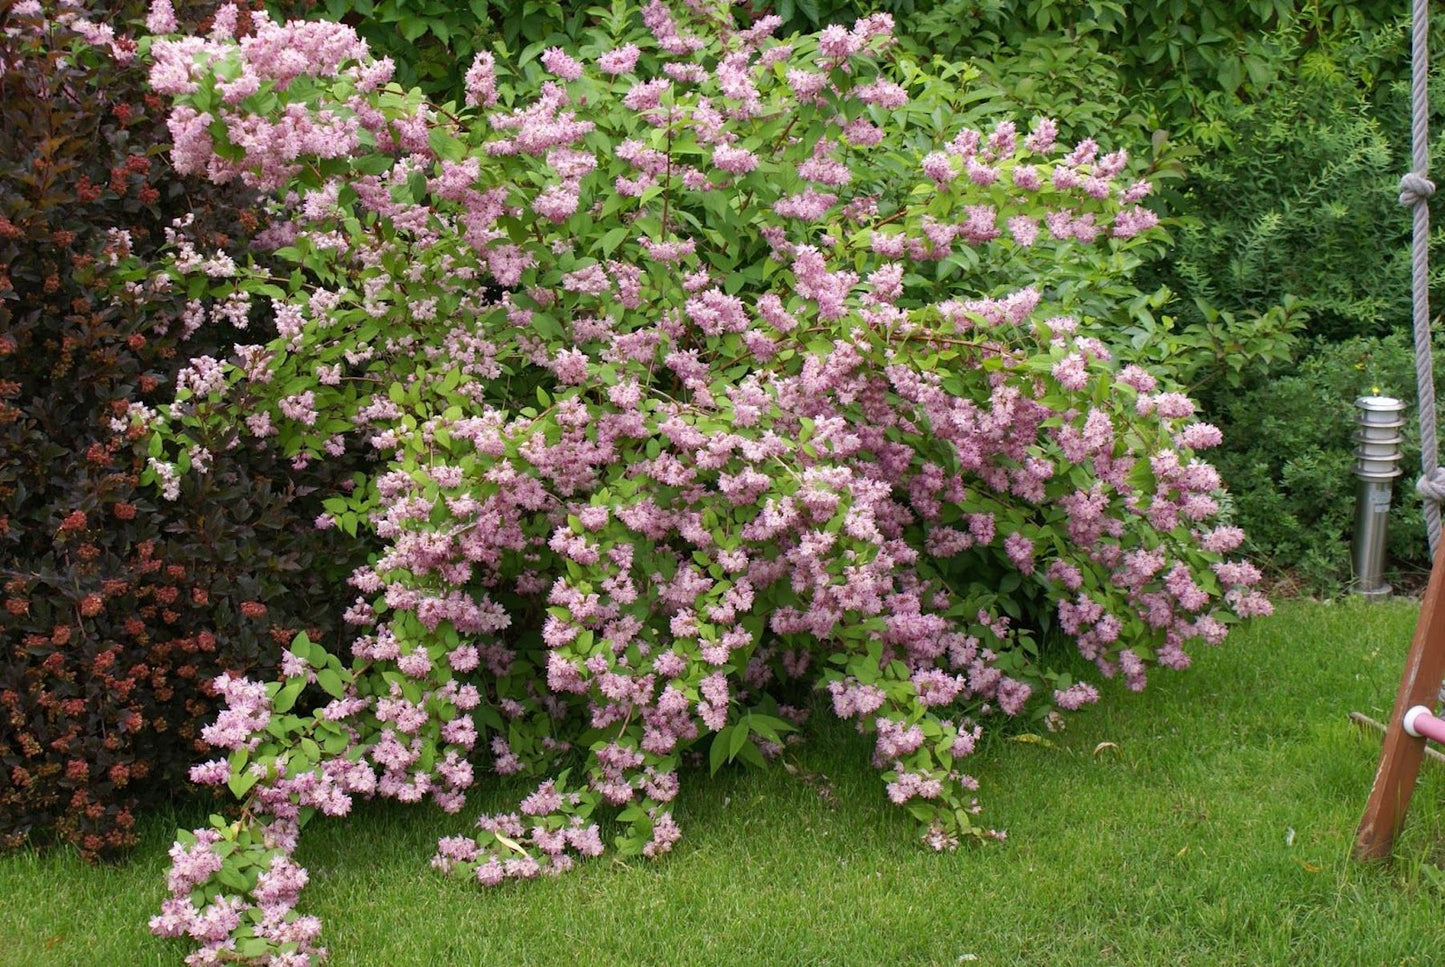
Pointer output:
1400, 758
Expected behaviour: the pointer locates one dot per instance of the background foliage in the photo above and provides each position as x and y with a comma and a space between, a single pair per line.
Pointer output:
1292, 477
432, 42
1285, 127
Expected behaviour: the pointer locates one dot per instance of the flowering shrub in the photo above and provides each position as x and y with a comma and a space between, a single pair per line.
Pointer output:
119, 608
703, 371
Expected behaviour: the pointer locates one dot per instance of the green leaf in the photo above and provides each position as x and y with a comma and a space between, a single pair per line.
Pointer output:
1030, 738
737, 740
241, 783
1231, 74
230, 876
751, 756
302, 648
769, 727
373, 164
446, 146
331, 681
718, 754
614, 238
254, 948
286, 698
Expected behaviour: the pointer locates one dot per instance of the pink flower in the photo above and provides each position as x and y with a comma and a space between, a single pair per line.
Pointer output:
646, 95
557, 203
1199, 436
1025, 230
1071, 372
939, 167
1020, 551
564, 65
1173, 405
619, 61
481, 81
570, 366
1013, 695
862, 133
1076, 696
211, 773
1137, 379
162, 17
809, 206
1222, 540
737, 161
300, 407
1132, 221
882, 93
806, 85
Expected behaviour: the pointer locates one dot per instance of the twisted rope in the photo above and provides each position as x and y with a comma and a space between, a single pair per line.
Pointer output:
1415, 191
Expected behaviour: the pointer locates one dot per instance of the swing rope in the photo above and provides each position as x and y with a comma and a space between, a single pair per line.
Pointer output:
1415, 191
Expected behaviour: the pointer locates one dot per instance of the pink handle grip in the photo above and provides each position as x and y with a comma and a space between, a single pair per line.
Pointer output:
1419, 721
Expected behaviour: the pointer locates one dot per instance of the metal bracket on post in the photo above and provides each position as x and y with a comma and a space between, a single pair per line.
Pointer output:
1377, 464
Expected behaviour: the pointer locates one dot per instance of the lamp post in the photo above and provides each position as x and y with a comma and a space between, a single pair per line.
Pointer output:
1377, 464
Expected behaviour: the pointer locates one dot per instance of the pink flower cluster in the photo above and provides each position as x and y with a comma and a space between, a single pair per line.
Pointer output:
217, 927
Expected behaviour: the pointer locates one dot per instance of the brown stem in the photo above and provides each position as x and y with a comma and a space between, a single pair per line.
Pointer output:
667, 183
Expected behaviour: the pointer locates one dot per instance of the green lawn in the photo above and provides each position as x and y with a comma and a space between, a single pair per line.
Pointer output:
1175, 847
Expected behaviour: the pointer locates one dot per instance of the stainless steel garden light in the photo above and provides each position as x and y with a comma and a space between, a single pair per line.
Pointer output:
1377, 464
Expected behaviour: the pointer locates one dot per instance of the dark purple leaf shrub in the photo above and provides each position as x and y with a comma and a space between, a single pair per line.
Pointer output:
119, 608
704, 371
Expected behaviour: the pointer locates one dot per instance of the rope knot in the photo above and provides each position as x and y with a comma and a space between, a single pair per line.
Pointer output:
1415, 188
1432, 485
